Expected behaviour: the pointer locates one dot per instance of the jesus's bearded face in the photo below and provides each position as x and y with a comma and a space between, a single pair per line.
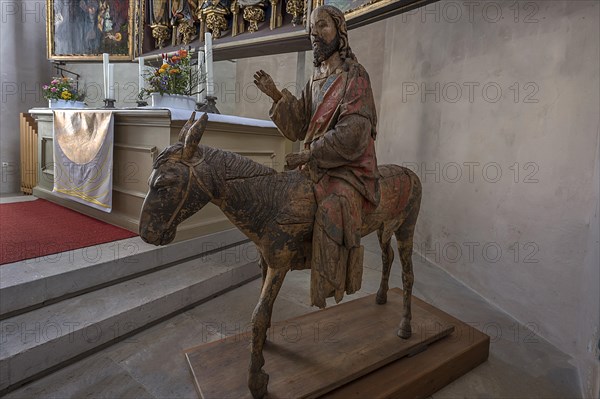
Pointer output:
323, 35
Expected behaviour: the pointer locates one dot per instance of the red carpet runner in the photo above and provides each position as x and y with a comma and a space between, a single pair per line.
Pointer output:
38, 228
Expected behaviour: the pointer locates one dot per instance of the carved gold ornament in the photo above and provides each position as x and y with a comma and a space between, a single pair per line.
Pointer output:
187, 30
276, 17
161, 34
213, 15
216, 23
254, 15
295, 8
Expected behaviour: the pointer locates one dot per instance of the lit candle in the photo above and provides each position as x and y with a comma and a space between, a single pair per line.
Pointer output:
200, 68
141, 73
209, 64
105, 73
111, 81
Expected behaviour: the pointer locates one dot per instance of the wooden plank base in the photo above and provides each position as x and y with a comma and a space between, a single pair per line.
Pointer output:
317, 353
420, 376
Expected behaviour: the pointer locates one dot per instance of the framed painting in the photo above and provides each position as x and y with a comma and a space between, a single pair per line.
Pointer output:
81, 30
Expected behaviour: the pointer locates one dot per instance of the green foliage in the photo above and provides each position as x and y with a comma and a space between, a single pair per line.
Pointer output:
175, 76
62, 89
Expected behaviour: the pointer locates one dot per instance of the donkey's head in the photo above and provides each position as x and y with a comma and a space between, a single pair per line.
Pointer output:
176, 191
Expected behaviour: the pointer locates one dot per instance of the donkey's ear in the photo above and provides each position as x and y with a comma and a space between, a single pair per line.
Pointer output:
193, 137
184, 130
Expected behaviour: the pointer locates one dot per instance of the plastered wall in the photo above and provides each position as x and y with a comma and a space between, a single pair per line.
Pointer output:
496, 105
23, 70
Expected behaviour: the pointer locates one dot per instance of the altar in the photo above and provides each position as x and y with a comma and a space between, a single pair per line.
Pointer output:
140, 134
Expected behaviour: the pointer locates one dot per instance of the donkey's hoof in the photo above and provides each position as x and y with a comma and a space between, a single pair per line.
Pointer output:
257, 382
381, 297
405, 331
404, 334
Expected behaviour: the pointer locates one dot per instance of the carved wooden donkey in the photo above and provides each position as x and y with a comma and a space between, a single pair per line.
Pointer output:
276, 211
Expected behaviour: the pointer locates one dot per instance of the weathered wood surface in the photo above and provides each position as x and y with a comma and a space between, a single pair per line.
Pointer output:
420, 376
313, 216
313, 354
275, 210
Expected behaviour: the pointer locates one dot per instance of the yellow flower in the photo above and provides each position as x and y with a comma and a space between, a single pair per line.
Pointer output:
66, 95
118, 36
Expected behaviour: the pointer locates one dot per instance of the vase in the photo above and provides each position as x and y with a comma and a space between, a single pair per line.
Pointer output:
55, 103
173, 101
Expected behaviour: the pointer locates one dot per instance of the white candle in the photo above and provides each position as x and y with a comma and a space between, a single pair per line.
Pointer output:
111, 81
141, 73
209, 64
201, 94
105, 73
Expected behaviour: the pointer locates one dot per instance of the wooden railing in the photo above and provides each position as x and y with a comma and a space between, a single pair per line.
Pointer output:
29, 152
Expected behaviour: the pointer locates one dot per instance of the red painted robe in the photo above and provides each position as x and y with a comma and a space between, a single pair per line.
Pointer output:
336, 118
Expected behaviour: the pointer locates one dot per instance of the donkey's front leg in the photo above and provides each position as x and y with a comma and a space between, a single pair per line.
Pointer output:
261, 319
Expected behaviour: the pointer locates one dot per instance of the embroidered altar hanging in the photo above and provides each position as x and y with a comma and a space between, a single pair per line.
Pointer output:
83, 157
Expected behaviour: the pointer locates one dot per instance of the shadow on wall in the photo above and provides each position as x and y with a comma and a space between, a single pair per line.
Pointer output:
499, 118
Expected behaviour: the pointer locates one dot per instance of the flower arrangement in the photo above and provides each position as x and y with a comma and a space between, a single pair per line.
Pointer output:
176, 75
62, 89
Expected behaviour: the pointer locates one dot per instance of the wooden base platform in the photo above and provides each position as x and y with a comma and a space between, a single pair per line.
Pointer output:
420, 376
349, 350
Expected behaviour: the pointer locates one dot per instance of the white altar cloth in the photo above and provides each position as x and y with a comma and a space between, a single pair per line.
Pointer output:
83, 157
184, 114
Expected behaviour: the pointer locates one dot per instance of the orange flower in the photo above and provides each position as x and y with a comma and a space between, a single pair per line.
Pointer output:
173, 71
183, 53
175, 58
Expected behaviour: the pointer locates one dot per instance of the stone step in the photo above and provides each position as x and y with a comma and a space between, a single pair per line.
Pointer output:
34, 282
47, 338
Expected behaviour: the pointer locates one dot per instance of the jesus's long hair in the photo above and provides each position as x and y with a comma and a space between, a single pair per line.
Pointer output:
340, 22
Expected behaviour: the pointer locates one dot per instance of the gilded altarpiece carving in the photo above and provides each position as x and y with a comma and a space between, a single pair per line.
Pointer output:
245, 28
84, 29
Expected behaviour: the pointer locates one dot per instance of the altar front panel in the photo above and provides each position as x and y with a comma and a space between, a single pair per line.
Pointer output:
140, 135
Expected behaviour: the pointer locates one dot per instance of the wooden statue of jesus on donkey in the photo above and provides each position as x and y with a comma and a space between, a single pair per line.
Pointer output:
314, 214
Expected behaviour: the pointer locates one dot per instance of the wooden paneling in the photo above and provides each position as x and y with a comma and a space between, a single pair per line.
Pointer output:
28, 152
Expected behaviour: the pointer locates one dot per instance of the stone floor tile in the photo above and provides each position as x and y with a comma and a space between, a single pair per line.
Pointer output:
96, 376
521, 364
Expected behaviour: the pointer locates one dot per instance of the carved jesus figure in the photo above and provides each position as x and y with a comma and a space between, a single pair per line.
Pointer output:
336, 118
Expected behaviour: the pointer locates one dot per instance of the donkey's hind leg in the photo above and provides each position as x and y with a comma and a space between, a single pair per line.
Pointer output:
404, 236
387, 257
262, 263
